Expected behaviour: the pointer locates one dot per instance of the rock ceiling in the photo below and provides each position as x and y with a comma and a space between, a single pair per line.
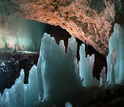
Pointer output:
89, 20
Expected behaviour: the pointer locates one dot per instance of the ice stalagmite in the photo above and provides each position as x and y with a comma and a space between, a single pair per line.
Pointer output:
20, 94
72, 47
58, 76
62, 46
103, 78
0, 98
72, 53
14, 97
115, 58
31, 87
86, 67
58, 71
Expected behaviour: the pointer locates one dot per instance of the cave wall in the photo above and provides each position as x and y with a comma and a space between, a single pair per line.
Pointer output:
21, 31
89, 20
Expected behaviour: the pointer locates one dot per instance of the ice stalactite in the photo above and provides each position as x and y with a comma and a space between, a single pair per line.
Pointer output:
58, 75
31, 87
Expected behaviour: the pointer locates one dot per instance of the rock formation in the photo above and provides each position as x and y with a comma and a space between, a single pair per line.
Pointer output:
89, 20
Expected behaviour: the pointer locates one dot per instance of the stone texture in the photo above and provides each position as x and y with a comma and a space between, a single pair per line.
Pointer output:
89, 20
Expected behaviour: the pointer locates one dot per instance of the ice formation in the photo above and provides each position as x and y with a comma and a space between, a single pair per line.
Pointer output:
21, 31
115, 58
58, 75
86, 67
68, 104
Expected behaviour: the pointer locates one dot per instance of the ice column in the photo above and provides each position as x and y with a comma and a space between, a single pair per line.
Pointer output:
115, 71
72, 47
31, 89
14, 97
86, 67
72, 53
62, 46
20, 94
58, 73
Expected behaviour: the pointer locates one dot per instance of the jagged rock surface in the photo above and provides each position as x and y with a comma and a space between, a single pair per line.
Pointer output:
89, 20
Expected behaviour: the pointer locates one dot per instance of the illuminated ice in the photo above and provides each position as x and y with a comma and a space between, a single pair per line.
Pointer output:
86, 67
62, 46
115, 58
72, 48
68, 104
103, 78
14, 97
58, 75
21, 31
31, 87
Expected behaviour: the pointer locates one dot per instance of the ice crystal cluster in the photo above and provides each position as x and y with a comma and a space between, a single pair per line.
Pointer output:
58, 75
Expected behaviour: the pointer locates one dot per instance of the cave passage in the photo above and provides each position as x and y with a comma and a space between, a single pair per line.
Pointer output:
28, 32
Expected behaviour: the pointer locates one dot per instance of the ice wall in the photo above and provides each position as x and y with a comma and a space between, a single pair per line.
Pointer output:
21, 31
115, 58
57, 81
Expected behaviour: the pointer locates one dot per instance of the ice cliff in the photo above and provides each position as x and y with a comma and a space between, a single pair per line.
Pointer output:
59, 76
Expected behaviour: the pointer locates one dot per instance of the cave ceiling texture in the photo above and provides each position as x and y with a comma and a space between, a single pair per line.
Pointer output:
88, 20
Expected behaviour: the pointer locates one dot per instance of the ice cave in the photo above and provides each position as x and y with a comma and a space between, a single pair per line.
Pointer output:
61, 53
